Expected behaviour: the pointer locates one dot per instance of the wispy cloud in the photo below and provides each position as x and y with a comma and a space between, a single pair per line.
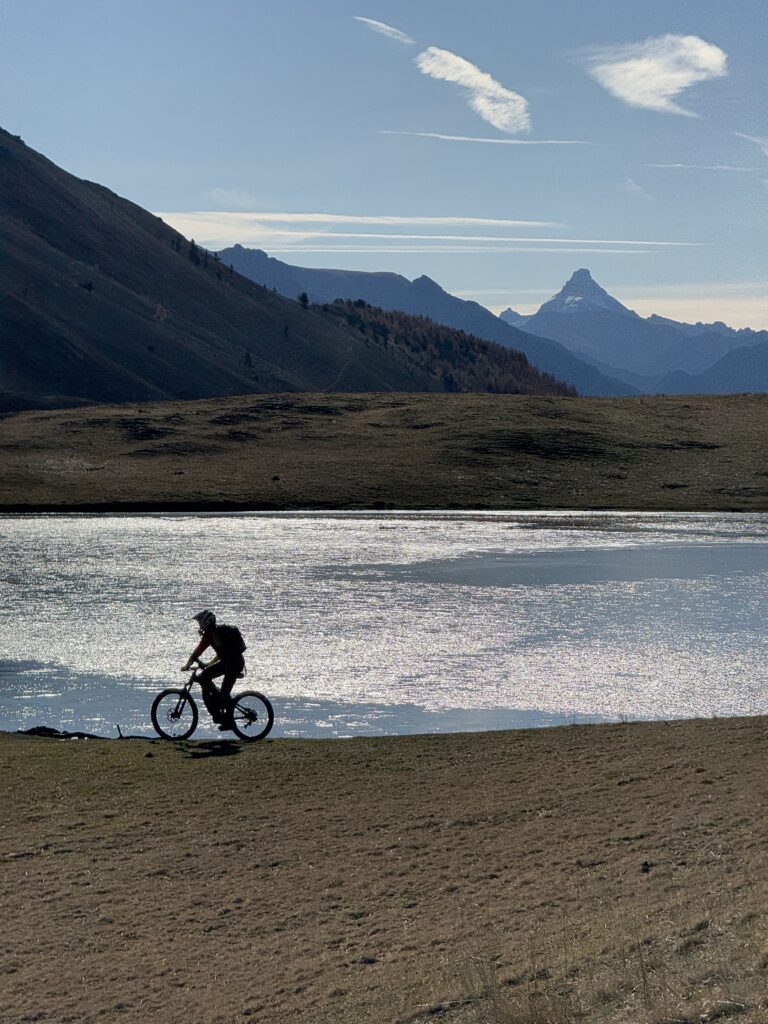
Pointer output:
386, 30
483, 238
313, 232
493, 142
499, 106
760, 141
652, 74
737, 303
631, 187
271, 217
701, 167
462, 250
233, 197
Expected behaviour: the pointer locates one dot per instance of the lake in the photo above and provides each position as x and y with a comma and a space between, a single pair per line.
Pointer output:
374, 623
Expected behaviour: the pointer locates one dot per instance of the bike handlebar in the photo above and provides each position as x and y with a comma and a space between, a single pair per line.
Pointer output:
199, 664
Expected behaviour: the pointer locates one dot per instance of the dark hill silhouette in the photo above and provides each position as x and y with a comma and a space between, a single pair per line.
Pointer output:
103, 302
743, 369
422, 297
743, 335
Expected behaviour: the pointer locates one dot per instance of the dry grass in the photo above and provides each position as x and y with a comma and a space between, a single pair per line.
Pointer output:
597, 874
392, 451
645, 968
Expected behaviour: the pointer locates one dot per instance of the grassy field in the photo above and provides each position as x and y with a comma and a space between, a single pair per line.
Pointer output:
443, 451
581, 874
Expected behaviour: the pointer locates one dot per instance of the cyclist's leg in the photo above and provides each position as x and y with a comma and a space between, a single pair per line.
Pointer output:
233, 670
211, 693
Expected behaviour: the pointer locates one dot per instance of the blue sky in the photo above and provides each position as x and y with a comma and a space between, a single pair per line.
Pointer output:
387, 135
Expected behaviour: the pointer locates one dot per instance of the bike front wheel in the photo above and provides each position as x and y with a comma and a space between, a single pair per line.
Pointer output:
252, 715
174, 715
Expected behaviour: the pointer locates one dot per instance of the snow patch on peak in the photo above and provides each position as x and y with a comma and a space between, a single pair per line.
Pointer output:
581, 293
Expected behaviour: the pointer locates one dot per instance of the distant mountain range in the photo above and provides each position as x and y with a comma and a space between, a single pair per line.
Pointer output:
582, 335
423, 297
655, 354
103, 302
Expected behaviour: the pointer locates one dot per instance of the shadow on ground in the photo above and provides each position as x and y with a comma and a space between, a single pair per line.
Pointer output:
212, 748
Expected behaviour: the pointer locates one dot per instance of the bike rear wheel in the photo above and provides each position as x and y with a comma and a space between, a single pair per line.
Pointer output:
251, 716
174, 714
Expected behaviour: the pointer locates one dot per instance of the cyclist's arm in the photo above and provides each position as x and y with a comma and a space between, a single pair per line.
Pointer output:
204, 644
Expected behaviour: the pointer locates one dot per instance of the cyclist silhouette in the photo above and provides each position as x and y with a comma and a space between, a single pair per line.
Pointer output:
228, 644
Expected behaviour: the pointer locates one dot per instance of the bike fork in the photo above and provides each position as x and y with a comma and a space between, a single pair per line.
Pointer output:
176, 713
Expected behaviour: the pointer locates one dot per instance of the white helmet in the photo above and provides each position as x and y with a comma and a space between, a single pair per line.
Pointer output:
205, 619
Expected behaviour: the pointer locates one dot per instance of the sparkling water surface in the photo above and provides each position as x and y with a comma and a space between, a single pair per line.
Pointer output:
370, 623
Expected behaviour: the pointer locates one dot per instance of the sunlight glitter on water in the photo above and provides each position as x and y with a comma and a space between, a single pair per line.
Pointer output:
560, 615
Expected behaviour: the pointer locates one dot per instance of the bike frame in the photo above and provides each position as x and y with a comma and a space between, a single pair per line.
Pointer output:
186, 689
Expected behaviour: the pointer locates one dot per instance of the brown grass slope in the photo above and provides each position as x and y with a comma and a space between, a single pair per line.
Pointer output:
581, 875
460, 361
103, 302
441, 451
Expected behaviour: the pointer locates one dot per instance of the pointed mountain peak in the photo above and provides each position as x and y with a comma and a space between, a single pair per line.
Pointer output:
581, 293
510, 316
581, 278
426, 285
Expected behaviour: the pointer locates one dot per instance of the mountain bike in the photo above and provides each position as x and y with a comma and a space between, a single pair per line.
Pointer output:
175, 714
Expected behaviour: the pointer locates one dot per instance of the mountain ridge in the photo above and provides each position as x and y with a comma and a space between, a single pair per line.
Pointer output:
421, 297
104, 302
655, 353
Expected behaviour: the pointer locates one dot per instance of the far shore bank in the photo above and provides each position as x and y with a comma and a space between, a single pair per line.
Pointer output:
223, 509
408, 452
597, 872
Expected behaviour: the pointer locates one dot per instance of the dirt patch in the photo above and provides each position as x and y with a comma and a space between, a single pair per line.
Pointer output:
564, 444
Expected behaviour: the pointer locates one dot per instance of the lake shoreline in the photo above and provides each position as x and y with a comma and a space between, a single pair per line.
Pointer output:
149, 508
470, 876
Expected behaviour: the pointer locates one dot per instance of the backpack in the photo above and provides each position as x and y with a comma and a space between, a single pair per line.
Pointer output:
230, 640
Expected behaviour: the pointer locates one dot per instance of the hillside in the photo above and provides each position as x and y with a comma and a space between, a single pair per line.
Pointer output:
740, 370
439, 451
454, 360
103, 302
422, 297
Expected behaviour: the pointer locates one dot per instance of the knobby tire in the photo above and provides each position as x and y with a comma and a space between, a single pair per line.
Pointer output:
164, 705
252, 716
